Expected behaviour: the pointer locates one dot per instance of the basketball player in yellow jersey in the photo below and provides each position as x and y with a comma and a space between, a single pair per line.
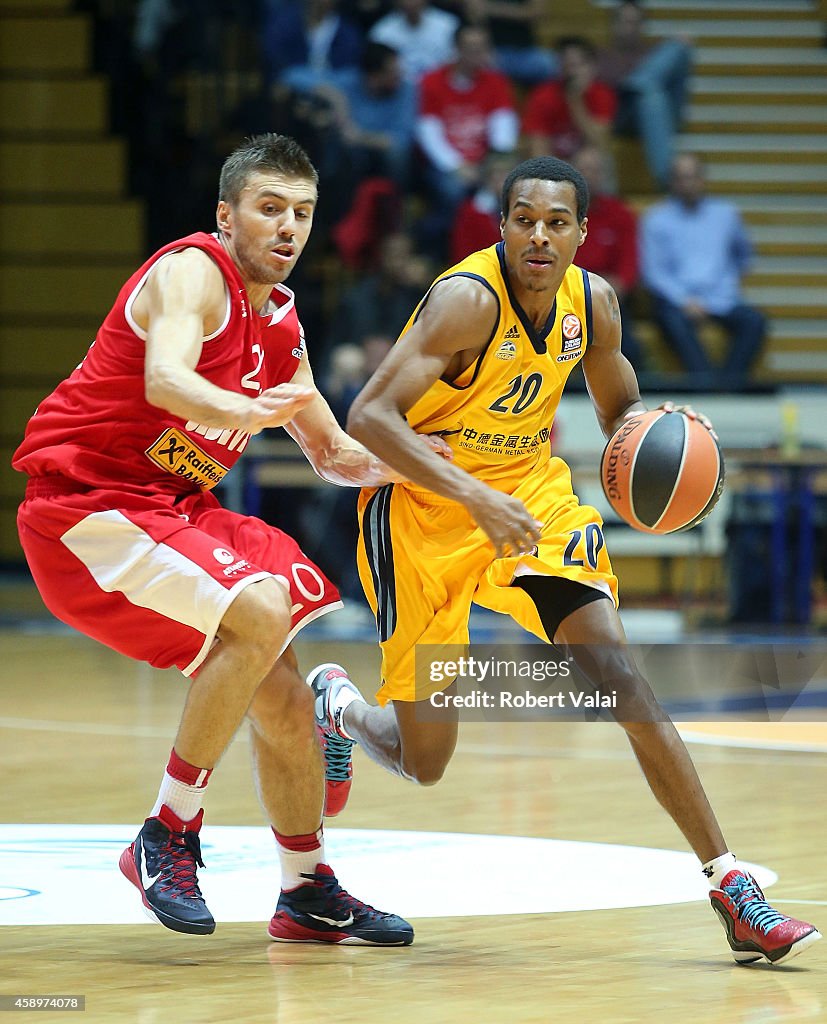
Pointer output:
483, 362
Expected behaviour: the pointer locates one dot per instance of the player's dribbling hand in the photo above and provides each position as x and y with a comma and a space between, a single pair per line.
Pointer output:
510, 527
687, 410
277, 406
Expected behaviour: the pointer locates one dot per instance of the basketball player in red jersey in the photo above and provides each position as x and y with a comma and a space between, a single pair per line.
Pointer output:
126, 542
484, 359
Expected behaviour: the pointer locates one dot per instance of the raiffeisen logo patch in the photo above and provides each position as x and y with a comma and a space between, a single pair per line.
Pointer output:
176, 453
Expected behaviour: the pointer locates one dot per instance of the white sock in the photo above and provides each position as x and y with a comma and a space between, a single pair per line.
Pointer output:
716, 869
183, 800
344, 698
296, 862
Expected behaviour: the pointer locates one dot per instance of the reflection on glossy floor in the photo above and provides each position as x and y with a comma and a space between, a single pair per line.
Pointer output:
83, 738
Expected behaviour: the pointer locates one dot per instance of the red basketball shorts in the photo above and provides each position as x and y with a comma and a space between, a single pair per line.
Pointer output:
152, 577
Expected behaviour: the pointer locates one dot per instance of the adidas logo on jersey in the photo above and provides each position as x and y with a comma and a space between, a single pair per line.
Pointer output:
512, 332
508, 350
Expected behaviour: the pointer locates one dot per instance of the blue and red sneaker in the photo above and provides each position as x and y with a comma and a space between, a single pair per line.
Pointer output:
321, 911
161, 865
327, 682
338, 771
754, 929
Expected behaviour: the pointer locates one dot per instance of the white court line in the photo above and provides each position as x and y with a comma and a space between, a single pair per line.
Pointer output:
96, 728
478, 749
809, 903
623, 754
473, 749
722, 740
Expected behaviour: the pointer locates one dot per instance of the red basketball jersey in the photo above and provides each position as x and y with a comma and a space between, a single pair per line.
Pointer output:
97, 427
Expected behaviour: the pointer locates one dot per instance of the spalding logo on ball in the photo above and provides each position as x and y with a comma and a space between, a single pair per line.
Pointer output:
662, 472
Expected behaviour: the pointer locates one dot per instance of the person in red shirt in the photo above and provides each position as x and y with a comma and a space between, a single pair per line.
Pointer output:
466, 109
611, 245
565, 113
127, 543
477, 221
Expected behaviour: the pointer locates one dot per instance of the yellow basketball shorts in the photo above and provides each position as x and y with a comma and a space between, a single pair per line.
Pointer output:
423, 561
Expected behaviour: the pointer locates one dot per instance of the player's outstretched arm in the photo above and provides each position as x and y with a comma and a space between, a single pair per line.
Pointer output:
182, 301
610, 378
334, 455
450, 332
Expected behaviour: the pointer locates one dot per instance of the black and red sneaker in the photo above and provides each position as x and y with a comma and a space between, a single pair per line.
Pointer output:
321, 911
161, 865
754, 929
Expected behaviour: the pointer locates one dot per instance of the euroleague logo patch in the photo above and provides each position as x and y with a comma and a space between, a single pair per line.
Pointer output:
572, 331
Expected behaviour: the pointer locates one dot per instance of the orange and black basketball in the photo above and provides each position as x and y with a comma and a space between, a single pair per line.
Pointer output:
662, 472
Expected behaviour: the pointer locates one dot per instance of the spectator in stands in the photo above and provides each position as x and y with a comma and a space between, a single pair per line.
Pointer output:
375, 348
330, 515
514, 26
308, 118
694, 251
565, 113
611, 244
650, 77
381, 302
466, 109
345, 378
422, 35
368, 12
303, 40
349, 369
153, 19
375, 110
477, 223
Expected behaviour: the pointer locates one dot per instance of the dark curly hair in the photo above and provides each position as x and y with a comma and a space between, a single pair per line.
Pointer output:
547, 168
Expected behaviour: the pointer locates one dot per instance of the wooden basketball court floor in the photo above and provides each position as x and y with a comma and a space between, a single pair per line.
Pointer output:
84, 735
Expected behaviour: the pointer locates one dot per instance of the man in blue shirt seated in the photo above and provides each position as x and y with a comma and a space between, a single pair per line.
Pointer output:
373, 107
306, 39
379, 110
694, 252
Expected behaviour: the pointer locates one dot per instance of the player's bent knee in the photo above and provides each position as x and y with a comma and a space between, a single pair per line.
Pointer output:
423, 771
428, 777
424, 749
258, 618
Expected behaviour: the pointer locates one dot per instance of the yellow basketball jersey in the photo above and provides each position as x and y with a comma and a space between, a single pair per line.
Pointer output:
497, 414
